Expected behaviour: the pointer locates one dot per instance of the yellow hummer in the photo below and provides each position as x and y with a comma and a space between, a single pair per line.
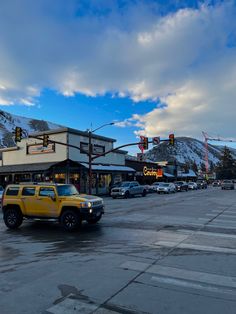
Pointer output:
49, 201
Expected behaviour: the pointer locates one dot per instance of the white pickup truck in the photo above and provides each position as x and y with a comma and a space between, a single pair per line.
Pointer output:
128, 189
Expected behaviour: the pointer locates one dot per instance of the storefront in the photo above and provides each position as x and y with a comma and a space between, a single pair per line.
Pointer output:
146, 172
64, 160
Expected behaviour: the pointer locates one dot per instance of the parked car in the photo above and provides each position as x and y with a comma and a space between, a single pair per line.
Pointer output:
192, 186
202, 184
216, 183
128, 189
155, 185
166, 188
148, 188
227, 185
60, 202
181, 186
114, 185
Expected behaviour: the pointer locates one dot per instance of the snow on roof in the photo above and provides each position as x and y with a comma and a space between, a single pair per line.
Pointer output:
109, 167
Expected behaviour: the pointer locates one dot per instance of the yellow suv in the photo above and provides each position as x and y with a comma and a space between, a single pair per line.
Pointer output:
59, 202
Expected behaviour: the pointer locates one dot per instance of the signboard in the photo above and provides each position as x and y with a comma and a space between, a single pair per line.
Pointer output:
158, 173
140, 157
156, 140
39, 149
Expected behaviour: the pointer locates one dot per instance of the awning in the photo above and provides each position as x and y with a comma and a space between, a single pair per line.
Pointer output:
109, 168
168, 175
26, 167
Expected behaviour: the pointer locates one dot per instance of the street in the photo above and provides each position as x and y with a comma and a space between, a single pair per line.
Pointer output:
160, 254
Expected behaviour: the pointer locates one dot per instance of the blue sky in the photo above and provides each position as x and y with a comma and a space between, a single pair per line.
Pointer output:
156, 66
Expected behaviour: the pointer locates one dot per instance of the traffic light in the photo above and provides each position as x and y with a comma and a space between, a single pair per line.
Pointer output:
45, 140
172, 139
18, 134
145, 143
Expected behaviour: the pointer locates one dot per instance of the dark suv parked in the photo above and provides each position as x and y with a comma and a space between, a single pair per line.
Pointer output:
181, 186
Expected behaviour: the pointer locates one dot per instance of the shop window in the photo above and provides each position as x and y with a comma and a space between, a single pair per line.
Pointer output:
28, 191
60, 177
12, 191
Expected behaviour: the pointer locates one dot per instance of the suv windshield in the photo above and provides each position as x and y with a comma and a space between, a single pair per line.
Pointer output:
67, 190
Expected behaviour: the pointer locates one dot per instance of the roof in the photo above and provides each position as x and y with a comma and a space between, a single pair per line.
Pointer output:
73, 131
109, 167
26, 167
190, 173
166, 174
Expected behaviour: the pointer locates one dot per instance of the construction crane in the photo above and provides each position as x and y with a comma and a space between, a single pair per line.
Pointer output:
206, 139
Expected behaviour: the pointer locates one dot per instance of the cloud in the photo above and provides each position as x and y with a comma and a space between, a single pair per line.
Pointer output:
184, 58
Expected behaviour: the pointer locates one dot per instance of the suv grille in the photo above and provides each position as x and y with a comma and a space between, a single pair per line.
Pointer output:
97, 203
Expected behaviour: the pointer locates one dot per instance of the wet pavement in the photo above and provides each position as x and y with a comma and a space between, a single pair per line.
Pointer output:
159, 254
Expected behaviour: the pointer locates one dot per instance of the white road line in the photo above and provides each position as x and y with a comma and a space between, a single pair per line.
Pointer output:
196, 247
215, 234
189, 275
190, 284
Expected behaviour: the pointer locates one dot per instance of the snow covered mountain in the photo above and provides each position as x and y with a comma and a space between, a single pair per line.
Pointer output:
8, 122
186, 150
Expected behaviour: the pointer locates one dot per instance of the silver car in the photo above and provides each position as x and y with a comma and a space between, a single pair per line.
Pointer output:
166, 188
227, 185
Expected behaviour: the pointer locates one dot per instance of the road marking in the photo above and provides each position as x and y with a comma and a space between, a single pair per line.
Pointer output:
215, 234
188, 284
189, 275
196, 247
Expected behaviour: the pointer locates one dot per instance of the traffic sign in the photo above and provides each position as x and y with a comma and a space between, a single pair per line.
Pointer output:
156, 140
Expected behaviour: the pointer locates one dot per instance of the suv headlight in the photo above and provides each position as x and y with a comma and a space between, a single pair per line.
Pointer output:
85, 205
122, 190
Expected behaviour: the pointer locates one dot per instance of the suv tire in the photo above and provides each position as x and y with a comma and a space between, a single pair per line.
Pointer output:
127, 195
70, 220
144, 193
94, 220
13, 218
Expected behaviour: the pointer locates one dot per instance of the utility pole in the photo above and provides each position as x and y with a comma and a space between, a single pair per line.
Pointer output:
90, 151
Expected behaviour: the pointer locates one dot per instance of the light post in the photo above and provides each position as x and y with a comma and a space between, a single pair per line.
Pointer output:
90, 152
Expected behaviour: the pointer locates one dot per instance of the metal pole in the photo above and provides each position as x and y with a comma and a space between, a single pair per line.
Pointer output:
90, 162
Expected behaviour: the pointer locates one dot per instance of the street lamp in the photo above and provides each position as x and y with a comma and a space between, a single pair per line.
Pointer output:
90, 152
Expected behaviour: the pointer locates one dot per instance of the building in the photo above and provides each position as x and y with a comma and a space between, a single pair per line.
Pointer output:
148, 172
30, 161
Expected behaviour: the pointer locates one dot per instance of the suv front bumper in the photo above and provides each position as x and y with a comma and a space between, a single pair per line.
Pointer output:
91, 212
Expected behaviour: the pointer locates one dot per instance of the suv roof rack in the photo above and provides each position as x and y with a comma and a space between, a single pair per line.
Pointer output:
37, 183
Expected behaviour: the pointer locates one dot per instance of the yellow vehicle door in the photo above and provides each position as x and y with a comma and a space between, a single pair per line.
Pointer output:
28, 200
47, 204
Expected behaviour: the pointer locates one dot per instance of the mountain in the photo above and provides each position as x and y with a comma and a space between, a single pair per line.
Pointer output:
186, 150
8, 122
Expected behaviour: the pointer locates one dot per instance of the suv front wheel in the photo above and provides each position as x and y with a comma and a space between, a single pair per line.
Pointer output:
12, 218
70, 220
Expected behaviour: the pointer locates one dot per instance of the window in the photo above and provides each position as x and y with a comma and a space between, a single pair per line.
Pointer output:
12, 190
47, 192
28, 191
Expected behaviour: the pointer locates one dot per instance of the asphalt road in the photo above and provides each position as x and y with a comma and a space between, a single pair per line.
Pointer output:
162, 254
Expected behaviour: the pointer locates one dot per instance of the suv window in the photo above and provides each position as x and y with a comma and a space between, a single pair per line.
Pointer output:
13, 190
28, 191
46, 191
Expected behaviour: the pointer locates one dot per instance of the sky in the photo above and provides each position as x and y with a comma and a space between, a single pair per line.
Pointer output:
154, 67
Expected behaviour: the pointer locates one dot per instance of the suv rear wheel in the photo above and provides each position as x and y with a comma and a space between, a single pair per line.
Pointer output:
70, 220
13, 218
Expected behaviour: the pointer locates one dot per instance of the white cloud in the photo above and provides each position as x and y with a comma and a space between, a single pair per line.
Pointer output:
182, 59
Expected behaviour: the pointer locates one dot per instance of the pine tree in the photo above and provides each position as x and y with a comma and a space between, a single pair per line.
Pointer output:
226, 168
